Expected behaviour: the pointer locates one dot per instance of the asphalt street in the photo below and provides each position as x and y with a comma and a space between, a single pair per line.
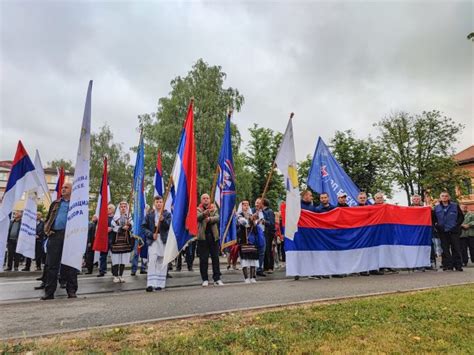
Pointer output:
102, 303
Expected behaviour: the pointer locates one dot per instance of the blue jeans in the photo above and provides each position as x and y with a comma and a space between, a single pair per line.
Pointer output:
135, 258
261, 256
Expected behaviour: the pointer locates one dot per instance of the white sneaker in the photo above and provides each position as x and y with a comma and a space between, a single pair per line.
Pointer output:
116, 279
247, 281
253, 281
122, 280
205, 283
218, 283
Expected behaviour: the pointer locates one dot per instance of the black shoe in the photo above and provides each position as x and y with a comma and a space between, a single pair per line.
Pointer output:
71, 295
190, 268
376, 272
447, 269
178, 269
143, 272
40, 287
88, 272
168, 276
8, 269
149, 289
365, 273
133, 274
459, 269
297, 278
261, 273
39, 278
158, 289
45, 298
101, 274
25, 269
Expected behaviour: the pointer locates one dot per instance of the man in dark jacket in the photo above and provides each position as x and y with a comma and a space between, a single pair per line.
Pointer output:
324, 205
342, 200
270, 233
155, 228
54, 228
104, 255
39, 253
448, 218
307, 201
13, 232
90, 253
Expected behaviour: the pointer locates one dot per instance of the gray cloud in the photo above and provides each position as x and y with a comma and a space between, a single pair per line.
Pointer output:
337, 65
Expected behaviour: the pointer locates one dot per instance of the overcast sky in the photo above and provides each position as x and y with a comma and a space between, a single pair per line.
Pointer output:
337, 65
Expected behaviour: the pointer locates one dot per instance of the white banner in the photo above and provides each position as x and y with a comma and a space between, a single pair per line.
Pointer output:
75, 237
27, 236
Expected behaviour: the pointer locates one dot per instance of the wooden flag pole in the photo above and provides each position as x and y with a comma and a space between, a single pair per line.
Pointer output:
265, 190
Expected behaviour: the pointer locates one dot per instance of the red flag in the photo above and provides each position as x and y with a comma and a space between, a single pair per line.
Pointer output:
102, 232
189, 162
60, 183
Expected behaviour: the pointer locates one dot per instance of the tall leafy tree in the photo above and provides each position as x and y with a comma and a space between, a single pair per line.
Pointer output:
262, 150
120, 172
419, 149
66, 164
211, 103
364, 160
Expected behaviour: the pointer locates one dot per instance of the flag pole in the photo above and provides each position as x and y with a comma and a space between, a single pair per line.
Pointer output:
265, 190
227, 230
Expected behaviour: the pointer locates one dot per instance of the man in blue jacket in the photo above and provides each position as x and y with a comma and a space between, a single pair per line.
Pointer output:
447, 218
324, 205
155, 228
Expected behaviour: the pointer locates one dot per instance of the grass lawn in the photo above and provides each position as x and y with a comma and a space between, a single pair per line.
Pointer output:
439, 320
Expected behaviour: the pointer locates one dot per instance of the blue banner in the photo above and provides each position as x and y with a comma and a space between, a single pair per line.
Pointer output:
139, 197
326, 175
225, 191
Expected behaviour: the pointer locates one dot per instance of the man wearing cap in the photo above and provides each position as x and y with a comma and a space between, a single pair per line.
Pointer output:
342, 200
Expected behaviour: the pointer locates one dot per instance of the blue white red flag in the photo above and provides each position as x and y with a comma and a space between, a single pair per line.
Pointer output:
56, 195
326, 175
184, 183
225, 191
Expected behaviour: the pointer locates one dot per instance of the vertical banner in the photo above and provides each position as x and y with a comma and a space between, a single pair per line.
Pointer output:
27, 236
75, 238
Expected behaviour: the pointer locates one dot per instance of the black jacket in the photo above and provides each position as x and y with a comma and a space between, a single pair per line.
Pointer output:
148, 226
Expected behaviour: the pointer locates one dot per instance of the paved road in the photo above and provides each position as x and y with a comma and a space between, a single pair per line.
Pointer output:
30, 318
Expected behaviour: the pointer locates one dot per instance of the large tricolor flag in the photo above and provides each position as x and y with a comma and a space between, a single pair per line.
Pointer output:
184, 182
139, 199
158, 181
326, 175
22, 178
56, 195
101, 239
351, 240
286, 163
225, 190
75, 238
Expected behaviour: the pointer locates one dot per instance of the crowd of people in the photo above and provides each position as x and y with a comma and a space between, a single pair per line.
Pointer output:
260, 249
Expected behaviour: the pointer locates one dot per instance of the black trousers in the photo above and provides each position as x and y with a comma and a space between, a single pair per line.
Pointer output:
451, 246
89, 257
268, 261
13, 256
189, 255
467, 243
209, 247
53, 260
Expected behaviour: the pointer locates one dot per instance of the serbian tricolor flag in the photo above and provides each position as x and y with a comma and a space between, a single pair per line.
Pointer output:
102, 232
158, 182
184, 182
358, 239
56, 195
22, 178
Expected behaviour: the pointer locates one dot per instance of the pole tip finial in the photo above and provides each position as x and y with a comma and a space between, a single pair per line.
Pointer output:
292, 114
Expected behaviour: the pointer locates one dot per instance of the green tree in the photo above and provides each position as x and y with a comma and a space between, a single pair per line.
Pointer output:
304, 167
262, 150
66, 164
419, 149
120, 172
364, 160
211, 102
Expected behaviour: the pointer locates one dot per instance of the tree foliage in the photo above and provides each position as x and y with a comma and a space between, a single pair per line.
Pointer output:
262, 150
419, 149
211, 103
120, 172
66, 164
364, 160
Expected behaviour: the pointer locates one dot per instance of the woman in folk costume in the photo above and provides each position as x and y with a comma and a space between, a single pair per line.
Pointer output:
248, 248
122, 241
156, 227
